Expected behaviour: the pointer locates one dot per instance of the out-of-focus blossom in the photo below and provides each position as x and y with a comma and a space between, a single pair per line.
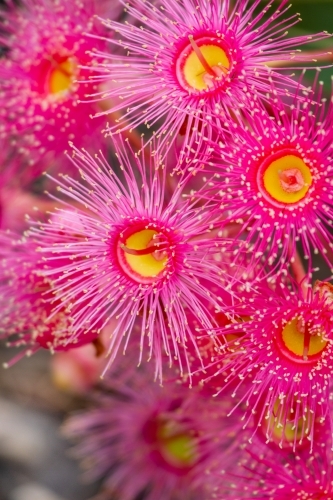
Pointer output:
40, 96
146, 439
32, 316
263, 474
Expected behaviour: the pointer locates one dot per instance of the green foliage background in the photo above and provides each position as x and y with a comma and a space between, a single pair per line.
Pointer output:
317, 16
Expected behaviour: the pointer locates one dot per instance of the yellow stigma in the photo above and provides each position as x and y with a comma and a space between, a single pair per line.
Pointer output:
178, 449
61, 77
151, 264
287, 179
196, 74
295, 339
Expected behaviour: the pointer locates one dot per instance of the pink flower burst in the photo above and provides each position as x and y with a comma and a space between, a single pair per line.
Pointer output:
284, 350
263, 474
39, 92
186, 60
298, 477
142, 438
274, 177
28, 318
301, 478
139, 257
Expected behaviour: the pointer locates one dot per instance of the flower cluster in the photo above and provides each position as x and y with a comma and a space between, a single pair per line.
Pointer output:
182, 219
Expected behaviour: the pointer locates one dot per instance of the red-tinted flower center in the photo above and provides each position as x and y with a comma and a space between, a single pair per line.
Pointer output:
55, 75
301, 341
144, 254
284, 178
203, 64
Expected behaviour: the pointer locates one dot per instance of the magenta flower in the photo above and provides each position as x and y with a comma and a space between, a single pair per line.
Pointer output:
28, 318
144, 438
285, 352
274, 178
138, 257
182, 62
265, 474
39, 92
306, 477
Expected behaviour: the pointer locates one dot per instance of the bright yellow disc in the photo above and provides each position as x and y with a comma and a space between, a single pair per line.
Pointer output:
278, 169
194, 71
294, 340
144, 265
61, 77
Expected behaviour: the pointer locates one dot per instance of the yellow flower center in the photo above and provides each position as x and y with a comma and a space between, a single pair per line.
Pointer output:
299, 341
61, 76
202, 64
144, 253
177, 448
286, 179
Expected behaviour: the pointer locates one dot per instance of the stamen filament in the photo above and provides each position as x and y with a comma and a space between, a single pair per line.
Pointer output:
306, 344
64, 71
143, 251
201, 57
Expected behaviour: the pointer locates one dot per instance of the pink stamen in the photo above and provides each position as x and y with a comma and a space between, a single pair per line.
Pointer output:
306, 344
291, 180
143, 251
201, 58
219, 72
156, 247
